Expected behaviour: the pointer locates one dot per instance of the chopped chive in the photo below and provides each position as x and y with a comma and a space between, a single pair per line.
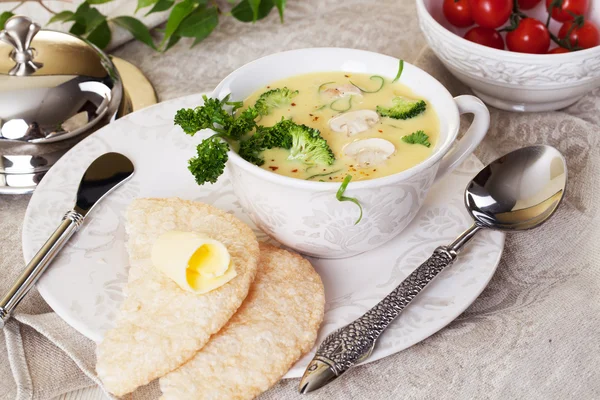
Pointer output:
323, 84
340, 196
400, 68
333, 107
325, 174
374, 77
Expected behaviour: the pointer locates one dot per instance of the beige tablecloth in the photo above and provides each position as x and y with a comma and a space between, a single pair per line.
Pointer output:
534, 333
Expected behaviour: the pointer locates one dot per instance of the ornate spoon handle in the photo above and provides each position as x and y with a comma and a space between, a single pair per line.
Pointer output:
354, 342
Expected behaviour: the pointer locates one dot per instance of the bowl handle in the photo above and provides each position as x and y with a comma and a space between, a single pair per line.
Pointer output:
471, 139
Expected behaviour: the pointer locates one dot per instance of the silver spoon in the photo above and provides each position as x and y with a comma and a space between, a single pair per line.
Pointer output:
104, 174
518, 191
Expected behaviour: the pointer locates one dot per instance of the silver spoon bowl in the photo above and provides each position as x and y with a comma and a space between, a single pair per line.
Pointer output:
518, 191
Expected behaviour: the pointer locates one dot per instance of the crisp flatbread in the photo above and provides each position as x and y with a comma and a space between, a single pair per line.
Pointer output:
274, 327
160, 326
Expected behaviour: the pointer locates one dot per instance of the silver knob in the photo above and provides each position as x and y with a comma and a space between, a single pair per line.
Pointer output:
19, 32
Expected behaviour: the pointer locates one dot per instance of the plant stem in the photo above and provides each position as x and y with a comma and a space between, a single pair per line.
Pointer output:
549, 16
17, 6
41, 3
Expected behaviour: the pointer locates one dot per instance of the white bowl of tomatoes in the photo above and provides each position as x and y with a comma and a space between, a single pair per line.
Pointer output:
514, 54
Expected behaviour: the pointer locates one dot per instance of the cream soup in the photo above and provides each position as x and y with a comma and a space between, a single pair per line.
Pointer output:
352, 120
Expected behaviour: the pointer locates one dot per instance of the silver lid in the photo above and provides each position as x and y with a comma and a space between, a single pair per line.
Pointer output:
53, 85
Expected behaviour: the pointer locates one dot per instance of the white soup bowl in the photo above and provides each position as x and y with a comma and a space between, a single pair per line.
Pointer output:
306, 216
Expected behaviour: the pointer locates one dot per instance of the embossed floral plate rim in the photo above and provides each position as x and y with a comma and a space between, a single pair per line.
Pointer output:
83, 285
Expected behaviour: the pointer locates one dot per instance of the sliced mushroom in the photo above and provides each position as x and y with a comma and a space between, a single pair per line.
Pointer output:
353, 122
370, 152
342, 91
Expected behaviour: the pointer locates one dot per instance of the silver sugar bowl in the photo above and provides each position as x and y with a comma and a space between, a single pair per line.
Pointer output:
53, 85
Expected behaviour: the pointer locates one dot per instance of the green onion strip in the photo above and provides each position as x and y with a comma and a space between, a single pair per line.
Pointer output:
373, 78
324, 174
400, 68
333, 105
340, 196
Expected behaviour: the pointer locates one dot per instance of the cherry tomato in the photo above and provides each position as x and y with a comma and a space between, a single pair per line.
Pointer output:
561, 9
531, 36
491, 13
528, 4
558, 50
485, 36
458, 13
584, 35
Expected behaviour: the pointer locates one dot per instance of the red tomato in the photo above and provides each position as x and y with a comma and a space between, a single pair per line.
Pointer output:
485, 36
531, 36
561, 9
491, 13
558, 50
458, 13
584, 35
528, 4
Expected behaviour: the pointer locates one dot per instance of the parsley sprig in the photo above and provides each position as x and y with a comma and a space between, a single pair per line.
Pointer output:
418, 137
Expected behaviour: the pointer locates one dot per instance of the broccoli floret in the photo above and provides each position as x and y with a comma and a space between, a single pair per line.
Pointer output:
304, 143
210, 160
274, 98
402, 108
309, 147
264, 138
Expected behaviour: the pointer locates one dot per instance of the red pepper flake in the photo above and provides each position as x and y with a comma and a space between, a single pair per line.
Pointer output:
272, 160
379, 130
330, 178
294, 170
316, 118
375, 170
311, 115
293, 104
347, 76
273, 168
268, 87
324, 169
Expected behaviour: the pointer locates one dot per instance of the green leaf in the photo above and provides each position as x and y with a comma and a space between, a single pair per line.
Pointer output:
101, 35
178, 14
254, 6
243, 12
340, 196
62, 16
97, 1
86, 19
3, 17
280, 7
172, 41
78, 28
137, 29
418, 137
161, 5
144, 4
199, 24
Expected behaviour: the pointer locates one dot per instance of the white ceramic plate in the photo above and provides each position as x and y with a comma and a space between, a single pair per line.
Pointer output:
84, 283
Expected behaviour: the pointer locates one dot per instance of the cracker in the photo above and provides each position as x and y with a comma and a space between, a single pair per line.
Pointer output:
274, 327
160, 326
